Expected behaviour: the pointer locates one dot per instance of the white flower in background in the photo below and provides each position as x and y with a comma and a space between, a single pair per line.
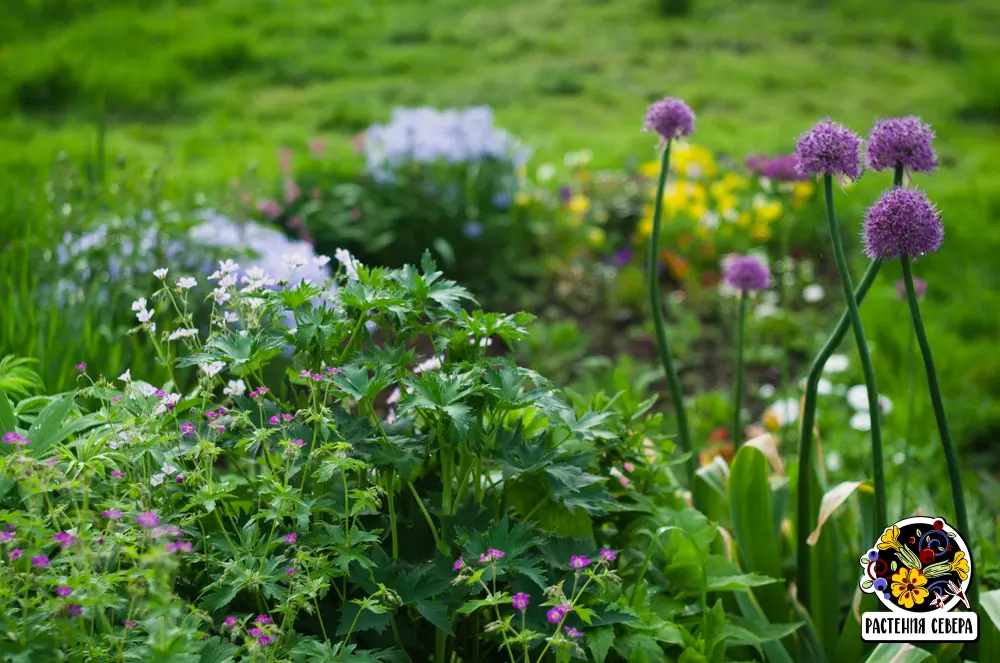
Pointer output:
483, 342
212, 369
221, 296
254, 302
227, 281
321, 261
146, 390
349, 262
710, 221
145, 316
139, 304
766, 390
836, 364
782, 413
235, 388
161, 273
431, 364
899, 458
168, 400
126, 376
545, 172
824, 387
394, 396
833, 461
228, 266
230, 317
186, 283
168, 469
861, 421
390, 416
182, 333
813, 293
293, 261
857, 398
157, 479
765, 310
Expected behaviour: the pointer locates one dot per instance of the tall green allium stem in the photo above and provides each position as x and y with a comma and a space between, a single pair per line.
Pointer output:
683, 436
878, 470
911, 361
738, 395
948, 446
805, 510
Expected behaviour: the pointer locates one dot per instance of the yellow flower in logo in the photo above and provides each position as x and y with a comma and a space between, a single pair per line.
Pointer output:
960, 565
908, 586
890, 539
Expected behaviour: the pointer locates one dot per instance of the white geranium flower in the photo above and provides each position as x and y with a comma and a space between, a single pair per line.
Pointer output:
293, 261
161, 273
431, 364
212, 369
230, 316
221, 296
168, 469
833, 461
861, 421
147, 389
836, 364
228, 267
394, 396
766, 390
783, 412
813, 293
321, 261
349, 262
227, 281
139, 304
182, 333
157, 479
126, 376
144, 316
186, 283
235, 388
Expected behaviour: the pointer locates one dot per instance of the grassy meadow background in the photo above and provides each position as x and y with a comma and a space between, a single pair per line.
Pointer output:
209, 90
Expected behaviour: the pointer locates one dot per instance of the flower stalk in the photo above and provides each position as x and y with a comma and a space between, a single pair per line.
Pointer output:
738, 395
677, 396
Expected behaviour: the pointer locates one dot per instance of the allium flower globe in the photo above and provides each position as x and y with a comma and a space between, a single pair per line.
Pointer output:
902, 140
903, 222
829, 148
671, 118
746, 273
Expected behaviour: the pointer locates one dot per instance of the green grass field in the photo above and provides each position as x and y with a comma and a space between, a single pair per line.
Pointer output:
207, 88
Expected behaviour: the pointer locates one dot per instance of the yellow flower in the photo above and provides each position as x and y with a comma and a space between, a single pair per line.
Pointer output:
522, 199
718, 190
579, 204
960, 565
596, 237
703, 232
908, 586
693, 161
697, 192
650, 169
734, 181
760, 233
698, 210
645, 227
802, 192
727, 204
769, 212
743, 220
890, 539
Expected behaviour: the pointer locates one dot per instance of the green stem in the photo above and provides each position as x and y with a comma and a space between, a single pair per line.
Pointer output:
805, 437
683, 436
948, 446
738, 396
911, 360
427, 517
878, 471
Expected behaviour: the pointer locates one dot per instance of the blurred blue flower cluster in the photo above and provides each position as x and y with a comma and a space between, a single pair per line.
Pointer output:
426, 135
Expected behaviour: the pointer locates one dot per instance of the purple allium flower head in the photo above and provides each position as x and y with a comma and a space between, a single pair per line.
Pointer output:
902, 140
459, 563
746, 273
13, 437
556, 614
113, 514
608, 555
829, 148
572, 632
128, 623
903, 222
671, 118
255, 631
73, 610
578, 562
148, 519
64, 539
63, 591
230, 622
40, 562
521, 601
919, 286
15, 553
291, 538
